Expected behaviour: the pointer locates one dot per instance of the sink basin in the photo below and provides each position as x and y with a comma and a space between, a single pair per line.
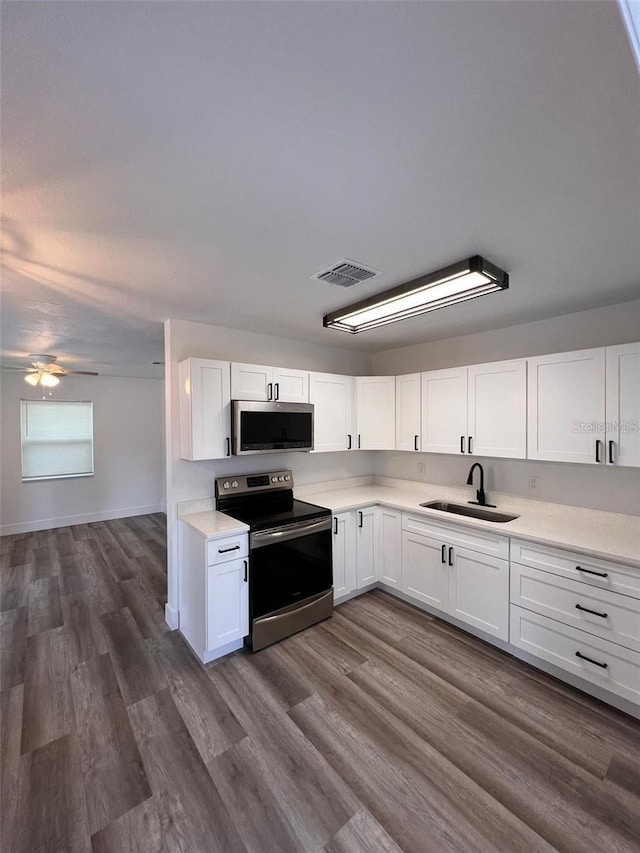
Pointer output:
470, 511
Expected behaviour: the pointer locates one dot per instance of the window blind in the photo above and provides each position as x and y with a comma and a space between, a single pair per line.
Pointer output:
56, 439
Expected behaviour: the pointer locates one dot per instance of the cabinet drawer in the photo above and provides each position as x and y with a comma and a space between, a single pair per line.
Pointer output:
586, 570
229, 548
567, 648
484, 541
606, 614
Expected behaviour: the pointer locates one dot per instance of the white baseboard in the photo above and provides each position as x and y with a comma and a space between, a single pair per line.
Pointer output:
171, 617
71, 520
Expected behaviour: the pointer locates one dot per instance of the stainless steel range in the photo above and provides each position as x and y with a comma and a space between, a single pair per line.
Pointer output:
290, 565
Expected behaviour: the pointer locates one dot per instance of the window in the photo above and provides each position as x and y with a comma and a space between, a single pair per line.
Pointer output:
56, 439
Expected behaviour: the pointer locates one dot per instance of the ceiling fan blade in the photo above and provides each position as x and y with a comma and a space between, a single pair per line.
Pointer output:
78, 373
13, 367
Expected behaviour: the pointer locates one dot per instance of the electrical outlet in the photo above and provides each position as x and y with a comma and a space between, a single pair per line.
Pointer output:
533, 482
420, 467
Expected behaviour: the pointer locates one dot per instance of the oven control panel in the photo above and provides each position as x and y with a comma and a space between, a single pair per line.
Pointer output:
242, 484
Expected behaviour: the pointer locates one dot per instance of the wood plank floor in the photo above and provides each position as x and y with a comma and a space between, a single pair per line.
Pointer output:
380, 730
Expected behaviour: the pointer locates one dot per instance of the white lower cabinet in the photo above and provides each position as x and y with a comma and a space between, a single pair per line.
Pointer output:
425, 576
366, 546
579, 614
357, 556
227, 611
479, 591
214, 592
390, 547
605, 664
344, 554
457, 571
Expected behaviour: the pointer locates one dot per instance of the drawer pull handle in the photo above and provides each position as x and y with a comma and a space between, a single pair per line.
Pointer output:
450, 556
444, 554
226, 550
595, 612
246, 566
591, 660
591, 572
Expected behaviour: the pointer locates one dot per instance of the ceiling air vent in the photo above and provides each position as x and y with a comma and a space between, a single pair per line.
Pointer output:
345, 274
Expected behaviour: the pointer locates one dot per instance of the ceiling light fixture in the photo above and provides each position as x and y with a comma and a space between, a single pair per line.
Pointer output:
48, 380
456, 283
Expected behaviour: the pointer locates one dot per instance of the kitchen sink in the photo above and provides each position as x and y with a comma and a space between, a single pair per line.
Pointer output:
471, 511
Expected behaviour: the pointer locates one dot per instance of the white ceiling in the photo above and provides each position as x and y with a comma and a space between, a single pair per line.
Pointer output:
202, 160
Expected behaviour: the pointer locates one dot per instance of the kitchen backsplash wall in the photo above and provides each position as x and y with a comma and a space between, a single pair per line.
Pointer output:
610, 489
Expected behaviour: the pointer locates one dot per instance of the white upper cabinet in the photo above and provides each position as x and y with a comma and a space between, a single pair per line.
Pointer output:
408, 412
444, 411
263, 383
205, 408
481, 410
566, 405
623, 405
333, 414
497, 409
376, 412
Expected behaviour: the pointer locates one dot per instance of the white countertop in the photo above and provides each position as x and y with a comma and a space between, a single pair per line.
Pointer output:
213, 524
607, 535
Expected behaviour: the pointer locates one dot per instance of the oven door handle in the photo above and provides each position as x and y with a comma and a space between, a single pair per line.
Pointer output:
289, 531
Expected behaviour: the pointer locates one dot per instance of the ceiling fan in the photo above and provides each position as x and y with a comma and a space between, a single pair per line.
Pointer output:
45, 371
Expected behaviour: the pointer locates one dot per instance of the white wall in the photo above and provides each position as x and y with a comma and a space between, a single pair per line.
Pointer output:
195, 480
128, 452
615, 324
610, 488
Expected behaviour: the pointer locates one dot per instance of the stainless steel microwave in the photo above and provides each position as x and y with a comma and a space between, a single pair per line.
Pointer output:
271, 427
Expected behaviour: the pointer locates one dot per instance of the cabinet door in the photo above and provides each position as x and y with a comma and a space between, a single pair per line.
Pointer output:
408, 412
227, 603
205, 409
291, 386
251, 382
376, 412
390, 550
497, 409
333, 399
425, 575
479, 591
366, 546
566, 403
344, 554
623, 405
444, 411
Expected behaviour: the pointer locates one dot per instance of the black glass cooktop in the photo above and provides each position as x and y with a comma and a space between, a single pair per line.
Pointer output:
264, 513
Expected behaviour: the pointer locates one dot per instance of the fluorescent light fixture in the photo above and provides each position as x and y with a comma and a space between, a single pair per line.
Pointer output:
456, 283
